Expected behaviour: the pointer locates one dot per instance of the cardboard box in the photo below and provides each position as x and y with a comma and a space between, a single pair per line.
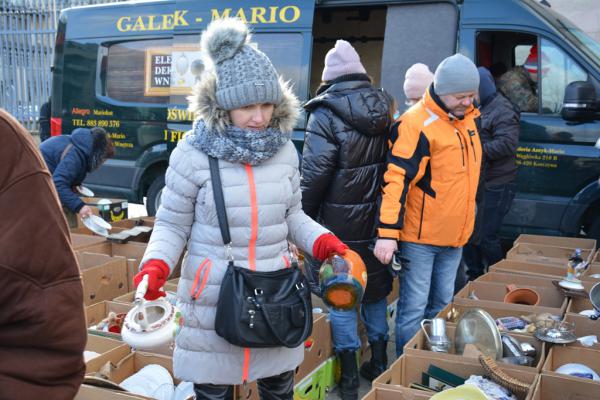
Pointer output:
318, 347
551, 387
557, 241
540, 254
132, 251
527, 268
560, 355
109, 209
390, 394
490, 294
584, 326
418, 345
520, 279
103, 346
123, 365
104, 277
409, 368
99, 311
80, 241
318, 383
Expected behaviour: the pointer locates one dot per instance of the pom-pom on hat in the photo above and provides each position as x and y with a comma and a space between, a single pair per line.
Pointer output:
245, 75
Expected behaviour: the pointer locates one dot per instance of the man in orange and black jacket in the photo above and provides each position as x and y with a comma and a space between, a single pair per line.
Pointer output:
428, 200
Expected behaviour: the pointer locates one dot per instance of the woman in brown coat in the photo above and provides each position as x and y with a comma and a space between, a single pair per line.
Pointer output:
42, 323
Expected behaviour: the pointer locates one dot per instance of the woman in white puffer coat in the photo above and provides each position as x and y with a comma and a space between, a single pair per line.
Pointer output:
245, 115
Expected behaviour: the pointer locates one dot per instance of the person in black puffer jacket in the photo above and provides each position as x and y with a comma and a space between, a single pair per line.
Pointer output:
343, 163
499, 132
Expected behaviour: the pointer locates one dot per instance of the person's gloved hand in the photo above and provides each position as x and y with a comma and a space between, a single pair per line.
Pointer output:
326, 245
157, 271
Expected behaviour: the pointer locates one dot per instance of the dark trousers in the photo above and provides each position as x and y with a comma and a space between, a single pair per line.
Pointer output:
279, 387
496, 204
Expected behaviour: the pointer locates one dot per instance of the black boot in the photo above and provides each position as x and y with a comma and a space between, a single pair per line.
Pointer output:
349, 381
378, 363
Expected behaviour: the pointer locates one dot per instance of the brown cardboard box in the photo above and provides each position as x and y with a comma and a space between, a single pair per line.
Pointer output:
418, 345
551, 387
80, 241
520, 279
390, 394
528, 268
318, 347
129, 297
408, 369
593, 269
540, 254
132, 251
103, 346
104, 277
584, 326
99, 311
557, 241
490, 294
123, 365
560, 355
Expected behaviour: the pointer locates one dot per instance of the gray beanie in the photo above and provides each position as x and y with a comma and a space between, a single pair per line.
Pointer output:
456, 74
245, 74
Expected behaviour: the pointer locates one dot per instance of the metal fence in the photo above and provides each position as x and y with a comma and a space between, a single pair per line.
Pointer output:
27, 34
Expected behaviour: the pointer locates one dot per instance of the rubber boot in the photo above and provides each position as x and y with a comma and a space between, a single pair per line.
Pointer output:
378, 363
349, 381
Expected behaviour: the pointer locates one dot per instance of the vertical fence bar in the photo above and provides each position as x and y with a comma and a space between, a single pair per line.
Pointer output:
27, 35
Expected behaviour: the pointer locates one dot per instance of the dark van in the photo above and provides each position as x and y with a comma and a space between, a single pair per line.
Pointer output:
128, 67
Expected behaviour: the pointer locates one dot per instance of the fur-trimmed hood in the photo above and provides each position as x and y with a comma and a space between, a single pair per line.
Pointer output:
203, 102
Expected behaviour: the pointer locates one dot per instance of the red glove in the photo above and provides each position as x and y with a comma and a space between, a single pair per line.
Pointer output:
326, 245
157, 271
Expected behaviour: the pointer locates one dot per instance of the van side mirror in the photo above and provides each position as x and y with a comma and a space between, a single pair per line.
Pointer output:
580, 102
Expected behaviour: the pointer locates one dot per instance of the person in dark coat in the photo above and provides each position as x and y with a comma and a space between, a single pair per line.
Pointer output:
42, 322
45, 114
499, 132
342, 167
70, 158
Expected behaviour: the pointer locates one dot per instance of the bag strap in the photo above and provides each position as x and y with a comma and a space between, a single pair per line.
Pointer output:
215, 176
65, 151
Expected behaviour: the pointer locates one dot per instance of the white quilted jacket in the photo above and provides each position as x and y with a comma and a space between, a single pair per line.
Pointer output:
187, 218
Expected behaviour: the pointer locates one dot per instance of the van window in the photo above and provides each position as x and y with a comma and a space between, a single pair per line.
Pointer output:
125, 75
558, 70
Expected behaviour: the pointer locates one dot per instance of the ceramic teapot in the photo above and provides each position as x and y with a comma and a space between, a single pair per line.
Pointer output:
151, 325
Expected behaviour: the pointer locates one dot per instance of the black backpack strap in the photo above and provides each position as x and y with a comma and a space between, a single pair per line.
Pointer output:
215, 176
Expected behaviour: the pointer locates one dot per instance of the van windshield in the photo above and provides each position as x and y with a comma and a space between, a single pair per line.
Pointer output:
589, 46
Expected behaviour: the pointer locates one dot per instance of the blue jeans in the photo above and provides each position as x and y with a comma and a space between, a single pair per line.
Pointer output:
344, 328
497, 202
426, 286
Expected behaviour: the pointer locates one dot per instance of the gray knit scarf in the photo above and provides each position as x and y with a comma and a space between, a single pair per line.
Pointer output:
237, 145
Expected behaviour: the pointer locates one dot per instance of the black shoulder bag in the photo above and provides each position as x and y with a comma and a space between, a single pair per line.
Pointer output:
259, 309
